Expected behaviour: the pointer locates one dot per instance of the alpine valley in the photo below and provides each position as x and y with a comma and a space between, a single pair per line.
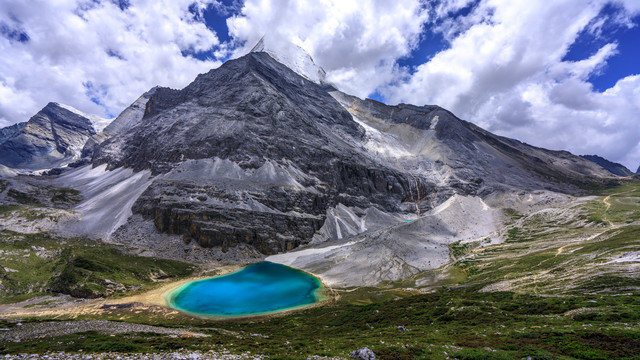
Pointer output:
432, 237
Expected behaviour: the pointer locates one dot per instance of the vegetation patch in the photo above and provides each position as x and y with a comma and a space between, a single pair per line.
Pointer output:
40, 264
450, 323
65, 196
23, 197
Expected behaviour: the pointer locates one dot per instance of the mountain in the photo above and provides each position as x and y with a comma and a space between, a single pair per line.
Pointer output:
255, 153
267, 155
10, 131
51, 138
615, 168
127, 119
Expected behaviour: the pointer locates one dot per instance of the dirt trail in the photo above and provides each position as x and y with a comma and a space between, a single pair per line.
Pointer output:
605, 218
560, 250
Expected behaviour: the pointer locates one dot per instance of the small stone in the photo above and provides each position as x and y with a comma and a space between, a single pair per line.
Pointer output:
402, 328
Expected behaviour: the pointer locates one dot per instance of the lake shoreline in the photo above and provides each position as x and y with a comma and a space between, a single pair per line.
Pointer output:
321, 294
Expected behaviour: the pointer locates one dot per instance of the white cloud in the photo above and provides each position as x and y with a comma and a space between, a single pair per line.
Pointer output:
504, 71
356, 42
78, 49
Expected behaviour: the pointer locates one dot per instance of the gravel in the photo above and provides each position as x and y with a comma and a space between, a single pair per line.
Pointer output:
58, 328
146, 240
179, 355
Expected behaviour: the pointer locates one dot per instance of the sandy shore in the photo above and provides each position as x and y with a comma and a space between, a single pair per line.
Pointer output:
155, 301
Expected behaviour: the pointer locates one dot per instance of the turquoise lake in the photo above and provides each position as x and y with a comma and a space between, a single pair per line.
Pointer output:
259, 288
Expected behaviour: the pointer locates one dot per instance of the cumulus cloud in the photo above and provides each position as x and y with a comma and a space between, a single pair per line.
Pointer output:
504, 70
356, 42
97, 56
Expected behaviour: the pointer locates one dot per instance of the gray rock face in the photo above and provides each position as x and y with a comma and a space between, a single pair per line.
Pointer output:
614, 168
127, 119
286, 159
363, 354
10, 131
254, 153
51, 138
467, 157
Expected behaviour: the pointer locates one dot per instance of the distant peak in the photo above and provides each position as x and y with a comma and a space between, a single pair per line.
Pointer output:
292, 56
97, 122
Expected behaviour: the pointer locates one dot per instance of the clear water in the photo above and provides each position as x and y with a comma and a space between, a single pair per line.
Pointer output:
257, 289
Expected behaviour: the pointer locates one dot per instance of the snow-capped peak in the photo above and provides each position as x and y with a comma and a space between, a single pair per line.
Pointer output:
292, 56
98, 122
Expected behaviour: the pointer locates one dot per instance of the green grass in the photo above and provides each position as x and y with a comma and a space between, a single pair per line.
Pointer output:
65, 196
458, 249
78, 267
22, 197
454, 323
43, 195
6, 210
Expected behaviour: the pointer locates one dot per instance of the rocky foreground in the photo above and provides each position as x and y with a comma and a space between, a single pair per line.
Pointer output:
161, 356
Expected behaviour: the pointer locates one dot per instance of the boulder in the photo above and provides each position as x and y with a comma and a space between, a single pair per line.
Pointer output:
363, 354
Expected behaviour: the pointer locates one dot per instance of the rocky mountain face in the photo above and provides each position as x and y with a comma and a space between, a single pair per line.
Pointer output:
255, 153
250, 152
10, 131
127, 119
433, 145
51, 138
615, 168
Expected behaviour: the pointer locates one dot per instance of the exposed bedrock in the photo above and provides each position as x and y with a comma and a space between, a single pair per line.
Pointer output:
274, 208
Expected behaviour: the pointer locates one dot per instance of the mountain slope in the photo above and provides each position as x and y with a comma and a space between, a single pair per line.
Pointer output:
127, 119
51, 138
615, 168
10, 131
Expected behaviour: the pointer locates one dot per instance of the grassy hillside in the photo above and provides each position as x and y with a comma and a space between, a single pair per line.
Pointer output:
36, 264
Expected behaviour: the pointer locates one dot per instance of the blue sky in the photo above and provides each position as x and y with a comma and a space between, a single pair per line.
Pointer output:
626, 62
560, 74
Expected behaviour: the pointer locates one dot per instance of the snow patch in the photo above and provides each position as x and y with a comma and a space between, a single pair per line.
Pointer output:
294, 57
98, 122
434, 122
383, 144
